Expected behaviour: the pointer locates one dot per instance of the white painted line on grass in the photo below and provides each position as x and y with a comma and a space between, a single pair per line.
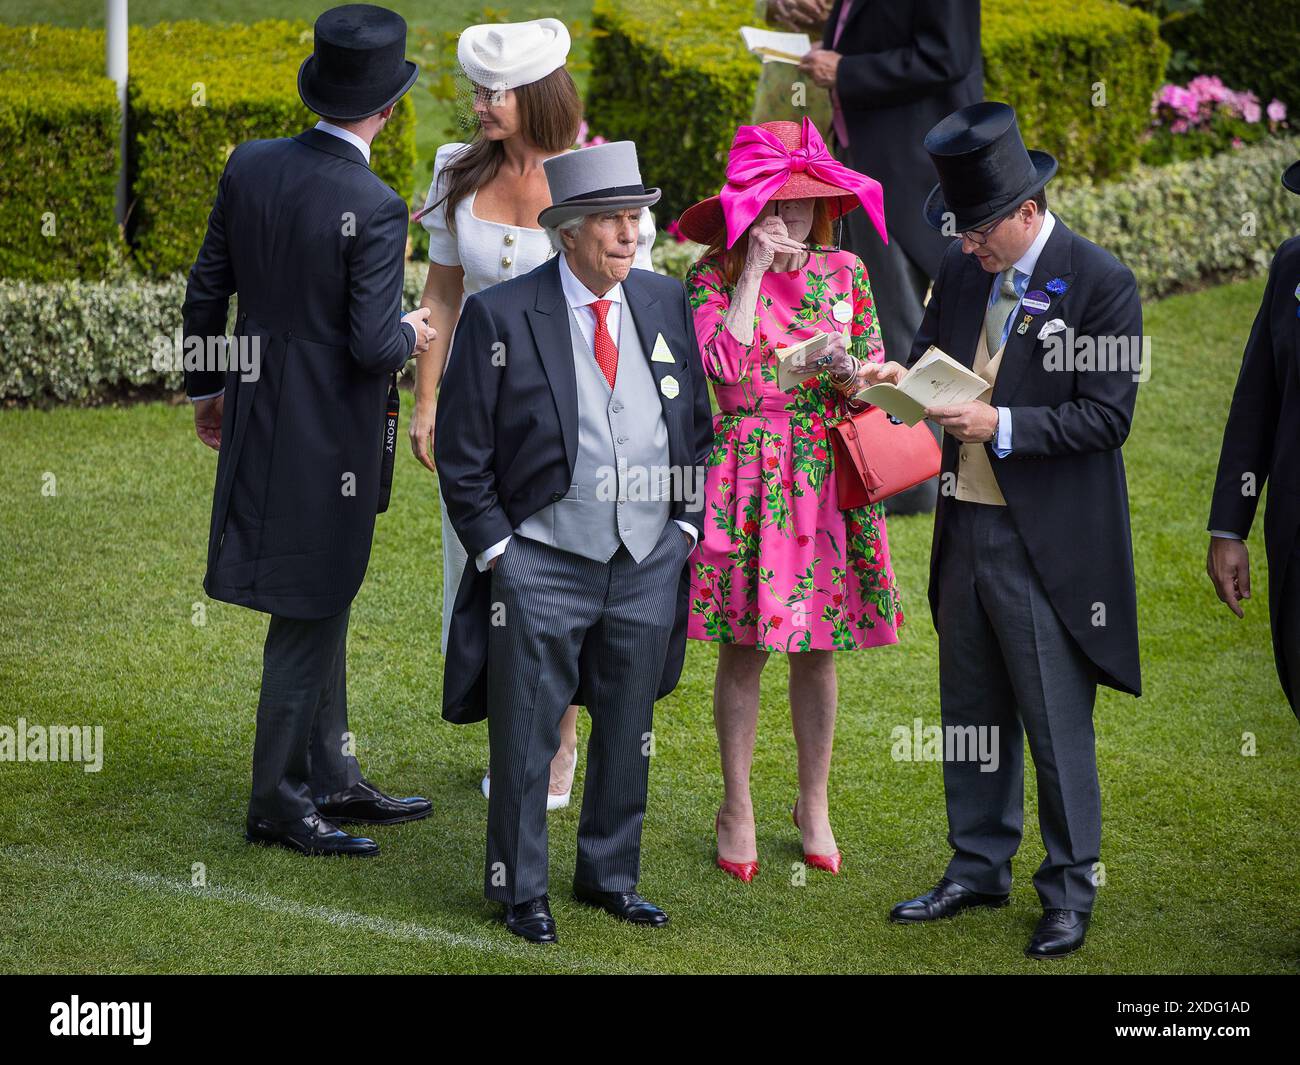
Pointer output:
407, 931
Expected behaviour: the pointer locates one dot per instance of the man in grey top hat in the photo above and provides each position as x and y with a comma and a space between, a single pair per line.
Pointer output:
573, 423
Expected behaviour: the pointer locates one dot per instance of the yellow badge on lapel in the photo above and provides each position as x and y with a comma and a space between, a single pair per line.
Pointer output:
661, 352
669, 387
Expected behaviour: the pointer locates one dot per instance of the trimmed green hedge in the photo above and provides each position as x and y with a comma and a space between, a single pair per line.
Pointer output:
1080, 74
1253, 45
1194, 223
59, 125
197, 90
91, 342
678, 81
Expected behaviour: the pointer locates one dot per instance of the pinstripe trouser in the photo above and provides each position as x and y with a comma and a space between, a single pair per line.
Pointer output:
557, 615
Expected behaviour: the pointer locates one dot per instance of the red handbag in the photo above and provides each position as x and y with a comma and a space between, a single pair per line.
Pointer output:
877, 457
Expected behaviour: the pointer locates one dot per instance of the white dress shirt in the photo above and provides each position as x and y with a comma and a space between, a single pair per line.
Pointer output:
580, 299
1025, 265
347, 135
342, 134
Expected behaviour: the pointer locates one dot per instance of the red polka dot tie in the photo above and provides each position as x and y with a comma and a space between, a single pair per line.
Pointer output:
605, 348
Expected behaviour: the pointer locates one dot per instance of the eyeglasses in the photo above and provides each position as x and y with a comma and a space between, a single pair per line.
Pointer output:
980, 237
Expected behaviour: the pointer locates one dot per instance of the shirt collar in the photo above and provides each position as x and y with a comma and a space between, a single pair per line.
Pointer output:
1026, 263
576, 294
347, 135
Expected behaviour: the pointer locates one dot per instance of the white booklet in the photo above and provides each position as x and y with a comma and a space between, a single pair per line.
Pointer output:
774, 46
935, 381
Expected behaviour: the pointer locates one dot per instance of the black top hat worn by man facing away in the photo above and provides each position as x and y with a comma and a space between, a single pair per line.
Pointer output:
311, 243
1031, 569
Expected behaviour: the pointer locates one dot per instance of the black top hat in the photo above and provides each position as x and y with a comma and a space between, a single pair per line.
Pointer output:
1291, 178
984, 168
359, 65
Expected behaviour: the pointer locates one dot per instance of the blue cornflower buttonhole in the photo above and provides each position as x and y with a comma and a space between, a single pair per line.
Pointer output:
1056, 286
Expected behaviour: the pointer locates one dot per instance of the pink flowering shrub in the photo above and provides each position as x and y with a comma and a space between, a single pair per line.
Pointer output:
1205, 117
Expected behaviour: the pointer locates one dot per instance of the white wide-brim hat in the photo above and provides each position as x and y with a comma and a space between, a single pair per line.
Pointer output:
509, 54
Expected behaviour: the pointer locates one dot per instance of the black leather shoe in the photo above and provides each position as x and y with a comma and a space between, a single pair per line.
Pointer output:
945, 899
1059, 932
365, 804
532, 920
309, 835
625, 905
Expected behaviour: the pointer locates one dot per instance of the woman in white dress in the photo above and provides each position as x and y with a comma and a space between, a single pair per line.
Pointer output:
481, 214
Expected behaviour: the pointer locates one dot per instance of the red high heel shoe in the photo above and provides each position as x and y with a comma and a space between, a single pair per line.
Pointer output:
829, 862
745, 871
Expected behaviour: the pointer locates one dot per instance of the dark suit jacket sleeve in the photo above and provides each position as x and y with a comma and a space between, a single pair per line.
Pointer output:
1099, 416
207, 295
1252, 426
378, 338
943, 50
702, 414
464, 440
928, 332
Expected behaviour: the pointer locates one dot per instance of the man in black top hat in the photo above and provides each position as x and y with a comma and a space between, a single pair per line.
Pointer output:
1031, 570
1262, 443
312, 244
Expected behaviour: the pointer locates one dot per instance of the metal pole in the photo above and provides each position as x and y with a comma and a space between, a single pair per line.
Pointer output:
115, 47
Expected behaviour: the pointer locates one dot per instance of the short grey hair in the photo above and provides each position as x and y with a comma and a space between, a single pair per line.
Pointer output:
569, 224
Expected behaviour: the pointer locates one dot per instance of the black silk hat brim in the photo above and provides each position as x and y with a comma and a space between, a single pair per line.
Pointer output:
936, 208
350, 103
1291, 178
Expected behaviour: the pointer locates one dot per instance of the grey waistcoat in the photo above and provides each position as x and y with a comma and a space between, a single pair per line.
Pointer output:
620, 490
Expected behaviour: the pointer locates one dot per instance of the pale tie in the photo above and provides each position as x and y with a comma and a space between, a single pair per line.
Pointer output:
997, 322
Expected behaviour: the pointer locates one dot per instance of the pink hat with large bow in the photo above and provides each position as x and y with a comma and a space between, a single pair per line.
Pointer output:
782, 161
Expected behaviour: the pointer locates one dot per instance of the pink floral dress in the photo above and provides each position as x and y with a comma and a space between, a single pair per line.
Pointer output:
779, 565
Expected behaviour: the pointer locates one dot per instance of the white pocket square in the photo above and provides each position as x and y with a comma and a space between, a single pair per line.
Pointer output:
1056, 325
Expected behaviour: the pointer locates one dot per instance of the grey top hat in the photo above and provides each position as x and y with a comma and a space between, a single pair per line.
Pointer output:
604, 177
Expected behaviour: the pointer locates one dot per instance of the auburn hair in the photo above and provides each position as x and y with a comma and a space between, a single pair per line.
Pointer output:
731, 261
550, 113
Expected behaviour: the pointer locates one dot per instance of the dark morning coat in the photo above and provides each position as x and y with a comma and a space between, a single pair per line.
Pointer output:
506, 438
1064, 480
1262, 438
312, 243
907, 64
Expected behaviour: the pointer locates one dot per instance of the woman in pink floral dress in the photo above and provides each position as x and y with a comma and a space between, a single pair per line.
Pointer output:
780, 567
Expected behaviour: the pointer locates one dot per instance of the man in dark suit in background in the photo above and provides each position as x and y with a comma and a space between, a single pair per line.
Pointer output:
1031, 570
312, 243
894, 68
1262, 443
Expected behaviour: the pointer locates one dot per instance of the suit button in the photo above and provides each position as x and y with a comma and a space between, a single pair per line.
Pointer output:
556, 496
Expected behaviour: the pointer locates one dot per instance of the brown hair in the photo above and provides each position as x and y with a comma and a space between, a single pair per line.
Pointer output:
550, 112
732, 260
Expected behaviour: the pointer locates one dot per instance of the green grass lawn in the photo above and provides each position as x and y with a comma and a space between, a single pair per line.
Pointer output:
100, 586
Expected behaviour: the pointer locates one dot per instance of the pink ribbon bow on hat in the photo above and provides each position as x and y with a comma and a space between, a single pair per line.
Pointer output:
760, 164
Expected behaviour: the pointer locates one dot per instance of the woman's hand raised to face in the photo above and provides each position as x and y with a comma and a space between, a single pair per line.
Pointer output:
769, 238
